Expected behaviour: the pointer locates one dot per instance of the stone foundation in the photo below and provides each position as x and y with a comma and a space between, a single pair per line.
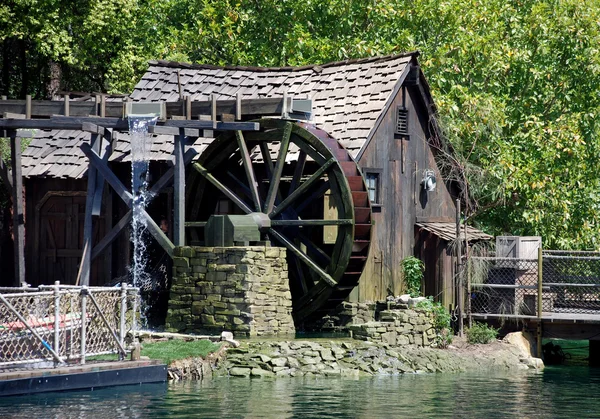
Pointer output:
397, 327
242, 289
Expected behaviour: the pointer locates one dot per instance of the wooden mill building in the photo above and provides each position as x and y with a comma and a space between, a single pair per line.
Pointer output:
379, 109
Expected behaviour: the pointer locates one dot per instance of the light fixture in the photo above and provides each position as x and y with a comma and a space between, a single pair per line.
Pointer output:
429, 182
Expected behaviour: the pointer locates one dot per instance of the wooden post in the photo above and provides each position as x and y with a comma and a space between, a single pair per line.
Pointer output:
83, 276
213, 110
179, 190
188, 107
28, 107
461, 291
102, 106
539, 303
18, 213
67, 99
238, 106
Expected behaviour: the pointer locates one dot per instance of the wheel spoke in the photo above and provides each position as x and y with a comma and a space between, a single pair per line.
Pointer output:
264, 149
247, 162
303, 257
316, 194
276, 178
299, 223
302, 188
298, 172
228, 192
314, 248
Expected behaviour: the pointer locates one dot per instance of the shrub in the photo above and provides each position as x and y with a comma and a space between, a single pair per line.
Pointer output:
412, 272
481, 333
441, 322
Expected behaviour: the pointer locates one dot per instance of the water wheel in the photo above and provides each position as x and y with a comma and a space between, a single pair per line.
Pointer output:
309, 196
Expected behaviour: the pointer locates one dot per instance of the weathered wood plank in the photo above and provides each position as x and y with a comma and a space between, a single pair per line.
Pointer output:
18, 213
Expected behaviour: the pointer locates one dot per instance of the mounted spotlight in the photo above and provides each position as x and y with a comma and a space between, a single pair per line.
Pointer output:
429, 182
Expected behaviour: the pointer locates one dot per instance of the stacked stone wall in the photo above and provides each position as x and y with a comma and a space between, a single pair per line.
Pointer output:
242, 289
397, 327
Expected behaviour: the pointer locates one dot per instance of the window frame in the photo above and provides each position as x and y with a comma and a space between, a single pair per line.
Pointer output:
377, 173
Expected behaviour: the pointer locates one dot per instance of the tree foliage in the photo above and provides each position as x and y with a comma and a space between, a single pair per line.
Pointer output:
516, 82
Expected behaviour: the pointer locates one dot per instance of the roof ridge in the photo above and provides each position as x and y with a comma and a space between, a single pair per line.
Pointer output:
379, 58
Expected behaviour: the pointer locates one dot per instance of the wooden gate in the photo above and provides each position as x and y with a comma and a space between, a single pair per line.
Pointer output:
60, 217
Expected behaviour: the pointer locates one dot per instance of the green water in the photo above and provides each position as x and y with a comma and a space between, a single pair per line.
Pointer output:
558, 392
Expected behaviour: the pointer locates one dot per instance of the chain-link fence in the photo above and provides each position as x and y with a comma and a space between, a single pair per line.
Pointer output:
572, 281
508, 287
503, 286
65, 323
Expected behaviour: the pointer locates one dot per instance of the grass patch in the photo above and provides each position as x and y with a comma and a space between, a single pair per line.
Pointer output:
172, 350
168, 351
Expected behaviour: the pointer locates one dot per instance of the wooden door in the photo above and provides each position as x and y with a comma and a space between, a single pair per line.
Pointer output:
60, 239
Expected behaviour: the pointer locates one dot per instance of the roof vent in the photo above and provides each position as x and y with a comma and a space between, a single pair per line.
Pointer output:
401, 121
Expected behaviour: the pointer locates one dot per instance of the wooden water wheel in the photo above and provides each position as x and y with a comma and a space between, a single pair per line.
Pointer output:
309, 195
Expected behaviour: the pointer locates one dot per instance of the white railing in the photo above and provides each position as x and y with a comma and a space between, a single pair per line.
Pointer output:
65, 324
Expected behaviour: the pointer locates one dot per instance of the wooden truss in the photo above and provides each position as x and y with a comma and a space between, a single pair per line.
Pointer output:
186, 121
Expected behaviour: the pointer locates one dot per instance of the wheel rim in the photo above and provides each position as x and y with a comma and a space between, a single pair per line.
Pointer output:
244, 173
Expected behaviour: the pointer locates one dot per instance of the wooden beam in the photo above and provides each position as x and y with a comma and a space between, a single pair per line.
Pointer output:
105, 152
110, 177
202, 170
161, 129
112, 234
168, 175
300, 223
219, 126
303, 257
85, 266
179, 190
47, 108
18, 209
158, 234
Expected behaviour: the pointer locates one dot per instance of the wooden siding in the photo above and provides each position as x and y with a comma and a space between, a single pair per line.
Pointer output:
403, 161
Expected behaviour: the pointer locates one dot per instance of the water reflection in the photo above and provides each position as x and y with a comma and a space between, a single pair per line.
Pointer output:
558, 392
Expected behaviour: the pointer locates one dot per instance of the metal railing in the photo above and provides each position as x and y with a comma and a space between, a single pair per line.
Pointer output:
61, 323
563, 284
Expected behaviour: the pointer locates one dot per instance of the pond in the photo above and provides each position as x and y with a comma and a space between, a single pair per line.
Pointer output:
560, 392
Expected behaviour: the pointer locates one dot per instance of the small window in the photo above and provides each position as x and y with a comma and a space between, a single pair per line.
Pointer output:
372, 181
402, 121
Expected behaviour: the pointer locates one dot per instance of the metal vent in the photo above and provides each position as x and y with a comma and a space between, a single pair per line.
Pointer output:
402, 121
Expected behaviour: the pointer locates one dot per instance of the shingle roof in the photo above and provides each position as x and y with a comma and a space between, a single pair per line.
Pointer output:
447, 231
348, 98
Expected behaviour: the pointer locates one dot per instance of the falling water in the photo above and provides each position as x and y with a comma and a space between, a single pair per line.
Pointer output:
141, 144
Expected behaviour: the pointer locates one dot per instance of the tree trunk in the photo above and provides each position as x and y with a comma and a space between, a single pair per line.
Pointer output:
24, 73
53, 86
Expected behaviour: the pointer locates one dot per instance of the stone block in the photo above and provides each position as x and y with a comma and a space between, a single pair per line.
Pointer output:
181, 262
207, 319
